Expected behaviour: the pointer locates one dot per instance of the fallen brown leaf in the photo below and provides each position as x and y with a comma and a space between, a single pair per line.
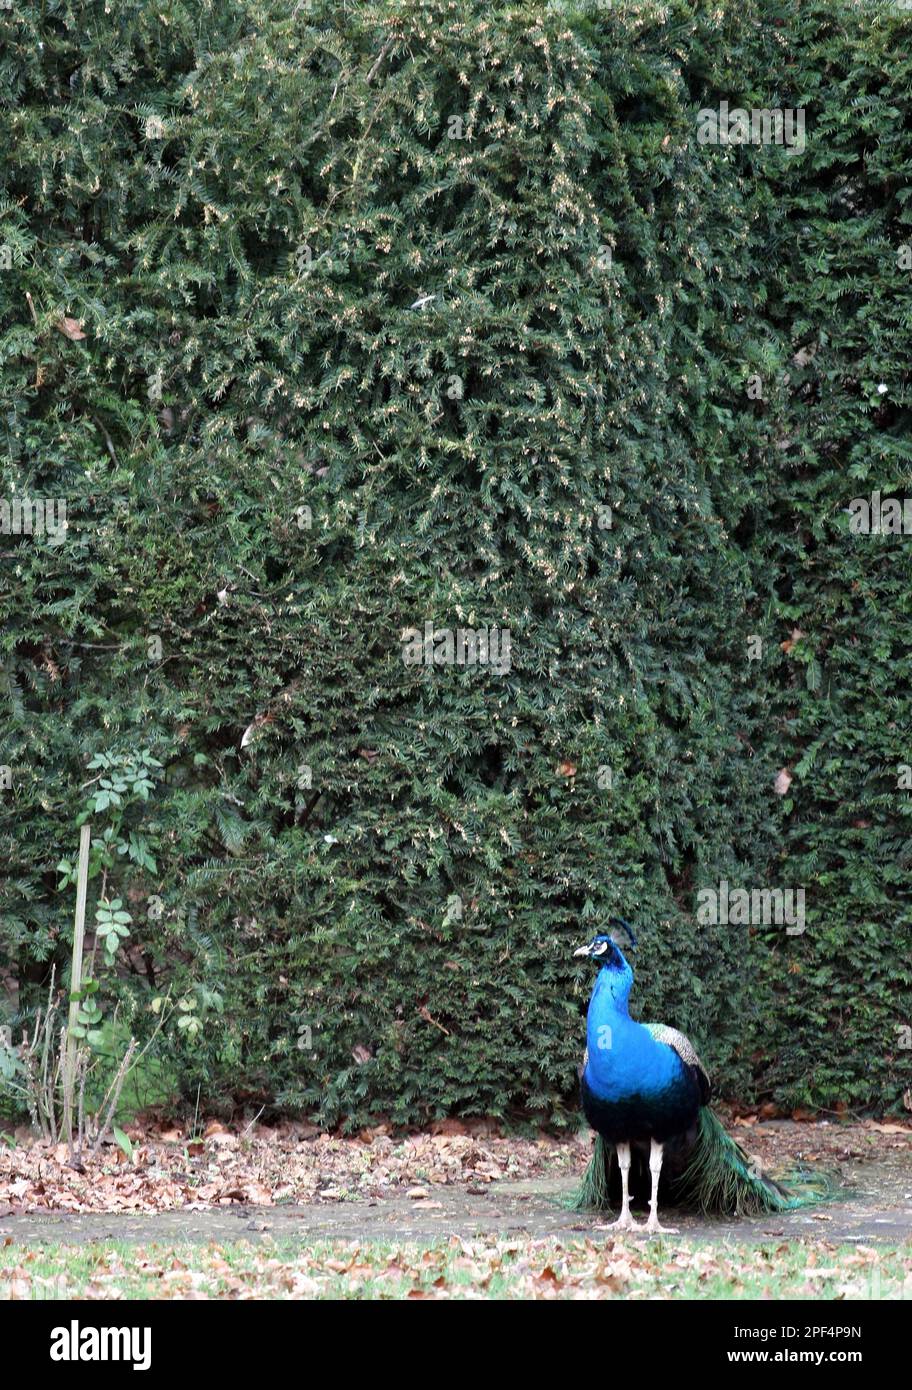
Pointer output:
70, 328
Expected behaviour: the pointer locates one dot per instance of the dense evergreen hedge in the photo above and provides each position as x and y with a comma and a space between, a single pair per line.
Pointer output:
438, 313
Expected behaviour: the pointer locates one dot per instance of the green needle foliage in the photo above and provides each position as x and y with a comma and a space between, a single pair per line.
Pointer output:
331, 321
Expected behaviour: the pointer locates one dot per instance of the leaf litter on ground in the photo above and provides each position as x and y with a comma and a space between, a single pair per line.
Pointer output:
165, 1167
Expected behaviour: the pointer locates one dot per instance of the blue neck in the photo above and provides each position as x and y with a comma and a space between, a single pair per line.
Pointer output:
612, 992
608, 1014
624, 1058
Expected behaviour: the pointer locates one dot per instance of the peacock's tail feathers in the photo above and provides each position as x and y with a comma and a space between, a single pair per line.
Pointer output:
717, 1176
720, 1177
592, 1193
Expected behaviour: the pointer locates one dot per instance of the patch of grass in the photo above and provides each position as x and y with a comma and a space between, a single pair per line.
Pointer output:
492, 1267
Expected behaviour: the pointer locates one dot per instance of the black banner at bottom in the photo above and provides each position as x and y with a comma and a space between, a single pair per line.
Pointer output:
162, 1339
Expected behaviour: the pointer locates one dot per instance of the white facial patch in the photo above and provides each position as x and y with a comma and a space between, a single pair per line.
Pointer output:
600, 949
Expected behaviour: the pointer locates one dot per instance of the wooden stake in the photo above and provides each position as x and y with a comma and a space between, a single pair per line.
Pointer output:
69, 1067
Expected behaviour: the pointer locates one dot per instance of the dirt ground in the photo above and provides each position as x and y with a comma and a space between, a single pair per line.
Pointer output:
508, 1191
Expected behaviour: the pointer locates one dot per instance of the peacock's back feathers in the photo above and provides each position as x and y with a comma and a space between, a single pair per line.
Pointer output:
686, 1051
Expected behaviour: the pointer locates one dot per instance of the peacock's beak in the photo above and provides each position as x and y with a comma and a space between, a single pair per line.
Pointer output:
584, 950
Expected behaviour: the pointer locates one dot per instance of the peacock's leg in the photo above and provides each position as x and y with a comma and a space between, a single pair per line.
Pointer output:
655, 1169
625, 1221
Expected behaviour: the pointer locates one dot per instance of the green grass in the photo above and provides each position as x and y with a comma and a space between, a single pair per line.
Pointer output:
491, 1267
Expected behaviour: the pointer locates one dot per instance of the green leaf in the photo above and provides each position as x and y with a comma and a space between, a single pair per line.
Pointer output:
123, 1141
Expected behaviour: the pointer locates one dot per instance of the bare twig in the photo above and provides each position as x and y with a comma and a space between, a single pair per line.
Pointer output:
380, 56
114, 1091
107, 440
253, 1122
82, 1064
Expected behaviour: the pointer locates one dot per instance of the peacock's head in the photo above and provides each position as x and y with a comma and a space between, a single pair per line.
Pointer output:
605, 952
605, 947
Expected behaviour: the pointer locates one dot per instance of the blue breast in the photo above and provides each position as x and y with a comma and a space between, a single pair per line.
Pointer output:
624, 1059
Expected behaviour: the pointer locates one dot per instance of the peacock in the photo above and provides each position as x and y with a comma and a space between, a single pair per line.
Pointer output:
646, 1094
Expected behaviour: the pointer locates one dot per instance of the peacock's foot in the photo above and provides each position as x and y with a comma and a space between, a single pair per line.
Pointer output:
625, 1222
653, 1227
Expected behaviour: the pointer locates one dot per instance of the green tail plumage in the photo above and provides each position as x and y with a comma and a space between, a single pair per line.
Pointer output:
718, 1176
592, 1193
